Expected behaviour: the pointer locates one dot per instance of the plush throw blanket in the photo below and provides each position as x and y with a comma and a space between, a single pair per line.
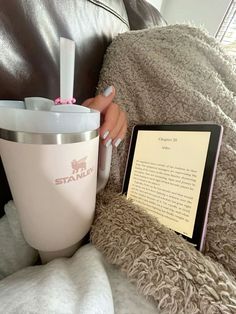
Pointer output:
172, 74
82, 284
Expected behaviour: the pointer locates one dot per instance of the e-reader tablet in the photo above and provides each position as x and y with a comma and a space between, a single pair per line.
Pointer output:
170, 172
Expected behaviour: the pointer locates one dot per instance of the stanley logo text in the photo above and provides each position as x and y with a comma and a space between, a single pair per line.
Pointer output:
79, 171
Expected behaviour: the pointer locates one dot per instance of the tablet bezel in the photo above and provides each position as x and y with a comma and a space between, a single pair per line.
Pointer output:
216, 131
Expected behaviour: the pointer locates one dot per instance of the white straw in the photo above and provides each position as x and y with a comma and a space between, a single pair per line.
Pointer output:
67, 63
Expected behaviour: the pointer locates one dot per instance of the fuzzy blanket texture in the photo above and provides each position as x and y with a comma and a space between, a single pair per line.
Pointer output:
172, 74
82, 284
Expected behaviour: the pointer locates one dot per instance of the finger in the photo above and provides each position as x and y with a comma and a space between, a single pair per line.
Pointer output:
88, 102
101, 102
121, 135
110, 120
117, 127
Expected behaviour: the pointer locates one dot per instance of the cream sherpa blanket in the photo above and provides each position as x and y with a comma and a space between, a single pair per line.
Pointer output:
82, 284
168, 75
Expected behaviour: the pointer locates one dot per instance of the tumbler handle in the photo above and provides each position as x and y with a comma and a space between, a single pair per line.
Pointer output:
104, 165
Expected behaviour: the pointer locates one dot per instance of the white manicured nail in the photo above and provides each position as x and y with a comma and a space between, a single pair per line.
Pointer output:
117, 142
105, 134
108, 143
107, 91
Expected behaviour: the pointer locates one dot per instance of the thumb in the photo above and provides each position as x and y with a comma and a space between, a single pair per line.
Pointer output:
102, 101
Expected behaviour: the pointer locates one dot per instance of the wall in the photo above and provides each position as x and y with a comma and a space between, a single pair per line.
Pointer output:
206, 13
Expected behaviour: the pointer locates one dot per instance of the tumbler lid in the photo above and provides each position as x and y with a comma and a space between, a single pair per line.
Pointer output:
46, 127
48, 122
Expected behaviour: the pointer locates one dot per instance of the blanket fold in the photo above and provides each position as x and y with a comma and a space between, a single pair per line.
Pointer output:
83, 284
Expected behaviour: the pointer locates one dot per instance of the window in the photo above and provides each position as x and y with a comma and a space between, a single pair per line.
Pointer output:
226, 33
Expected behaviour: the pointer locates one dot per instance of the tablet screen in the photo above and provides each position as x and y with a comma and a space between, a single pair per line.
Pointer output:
166, 174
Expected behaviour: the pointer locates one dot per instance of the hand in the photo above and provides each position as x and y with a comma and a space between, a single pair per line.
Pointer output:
114, 121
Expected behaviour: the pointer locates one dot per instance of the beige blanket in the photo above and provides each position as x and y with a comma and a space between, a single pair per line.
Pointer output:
168, 75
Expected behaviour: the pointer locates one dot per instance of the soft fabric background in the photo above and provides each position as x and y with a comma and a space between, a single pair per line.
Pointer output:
82, 284
173, 74
165, 268
178, 74
15, 253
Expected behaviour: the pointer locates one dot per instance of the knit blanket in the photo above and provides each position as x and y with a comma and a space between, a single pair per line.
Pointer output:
172, 74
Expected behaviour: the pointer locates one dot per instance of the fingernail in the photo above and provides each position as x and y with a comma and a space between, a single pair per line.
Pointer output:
108, 143
105, 134
107, 91
117, 142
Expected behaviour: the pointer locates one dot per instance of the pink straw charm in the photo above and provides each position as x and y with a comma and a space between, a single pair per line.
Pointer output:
59, 101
